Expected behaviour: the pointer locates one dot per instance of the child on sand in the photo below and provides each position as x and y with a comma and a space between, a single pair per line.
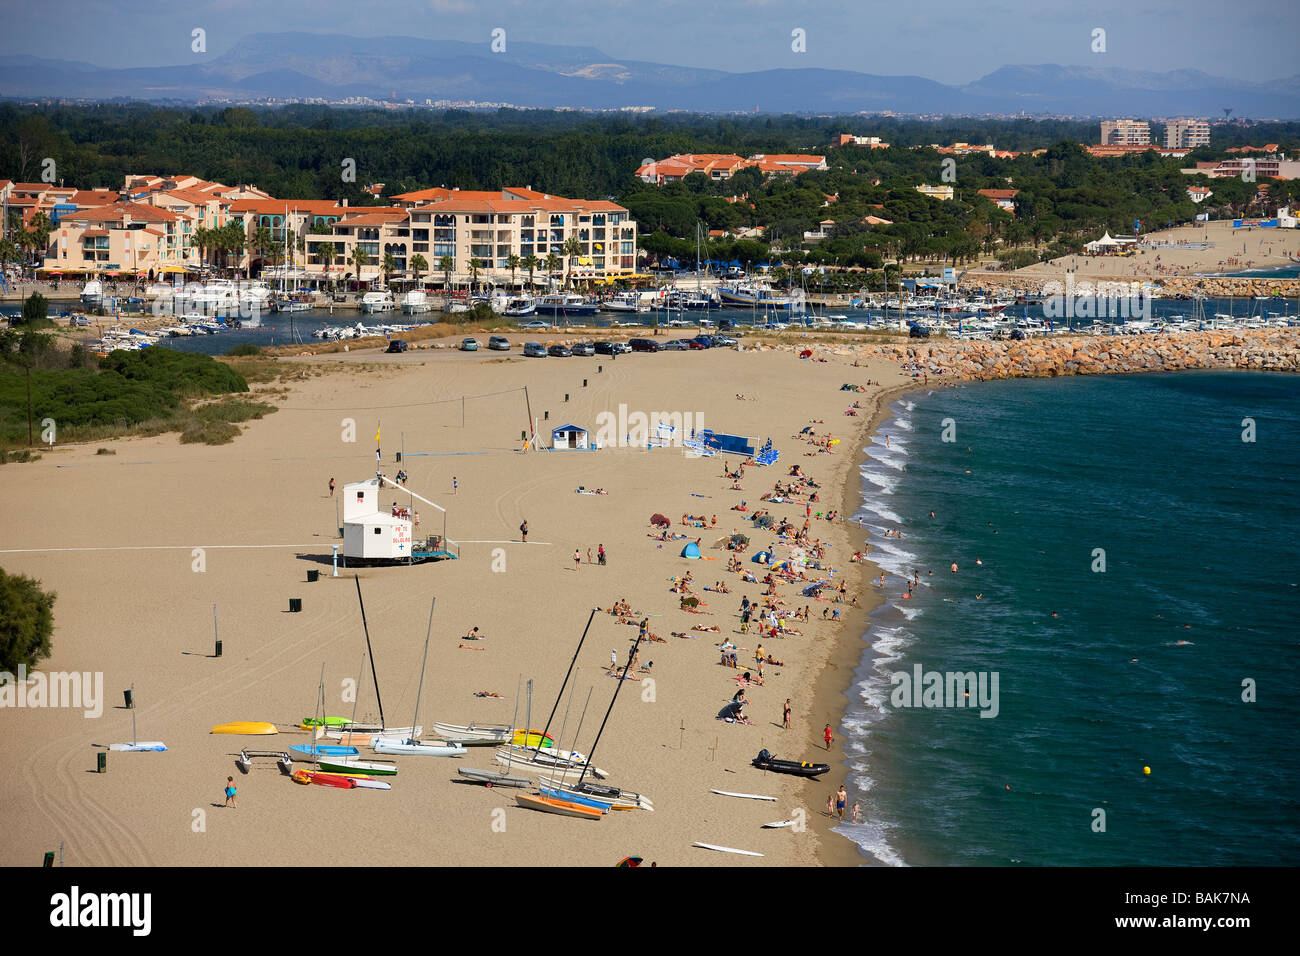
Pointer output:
231, 790
829, 736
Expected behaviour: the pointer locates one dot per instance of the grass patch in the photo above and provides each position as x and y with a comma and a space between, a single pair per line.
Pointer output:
18, 457
208, 432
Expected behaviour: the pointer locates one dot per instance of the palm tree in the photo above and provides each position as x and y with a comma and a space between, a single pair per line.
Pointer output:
327, 254
531, 262
572, 248
419, 265
390, 266
445, 263
8, 253
358, 260
233, 239
473, 274
552, 263
513, 262
40, 230
261, 242
200, 239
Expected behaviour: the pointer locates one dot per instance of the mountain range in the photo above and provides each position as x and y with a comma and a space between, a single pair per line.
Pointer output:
335, 67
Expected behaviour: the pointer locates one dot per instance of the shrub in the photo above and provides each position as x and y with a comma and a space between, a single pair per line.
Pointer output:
247, 348
26, 622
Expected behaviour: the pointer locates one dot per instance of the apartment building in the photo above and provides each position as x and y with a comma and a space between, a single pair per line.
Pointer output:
1125, 133
125, 238
935, 192
1186, 134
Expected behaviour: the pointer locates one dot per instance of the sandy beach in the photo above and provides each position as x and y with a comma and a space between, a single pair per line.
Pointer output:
1232, 250
114, 535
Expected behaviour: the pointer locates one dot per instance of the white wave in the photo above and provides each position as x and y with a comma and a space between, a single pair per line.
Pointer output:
870, 835
886, 483
904, 423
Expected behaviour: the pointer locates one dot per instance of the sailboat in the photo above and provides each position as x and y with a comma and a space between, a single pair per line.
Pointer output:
135, 744
362, 734
495, 778
412, 745
619, 798
350, 764
314, 751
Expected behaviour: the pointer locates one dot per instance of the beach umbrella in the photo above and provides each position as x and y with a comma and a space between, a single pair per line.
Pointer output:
659, 520
630, 861
763, 521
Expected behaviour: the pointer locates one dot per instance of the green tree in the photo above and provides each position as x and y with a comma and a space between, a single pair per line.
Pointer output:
26, 622
445, 263
553, 262
531, 262
36, 308
419, 265
358, 260
389, 267
572, 249
513, 262
327, 253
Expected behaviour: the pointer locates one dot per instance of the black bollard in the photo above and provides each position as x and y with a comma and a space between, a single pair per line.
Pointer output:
129, 697
101, 762
49, 860
584, 383
295, 605
218, 653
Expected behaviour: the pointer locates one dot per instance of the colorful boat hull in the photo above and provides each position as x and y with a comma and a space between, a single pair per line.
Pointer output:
245, 727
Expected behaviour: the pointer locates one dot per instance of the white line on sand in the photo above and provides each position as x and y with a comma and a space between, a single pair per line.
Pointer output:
158, 547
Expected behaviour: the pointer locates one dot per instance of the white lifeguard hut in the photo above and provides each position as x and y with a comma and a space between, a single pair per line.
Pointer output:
569, 438
384, 534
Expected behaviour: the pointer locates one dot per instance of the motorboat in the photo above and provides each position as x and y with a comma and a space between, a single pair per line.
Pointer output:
567, 303
416, 302
378, 301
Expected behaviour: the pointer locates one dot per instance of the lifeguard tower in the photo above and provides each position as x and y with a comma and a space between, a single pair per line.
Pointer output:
374, 533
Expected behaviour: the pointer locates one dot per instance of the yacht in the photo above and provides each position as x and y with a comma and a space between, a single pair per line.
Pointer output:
753, 294
625, 302
567, 303
416, 302
380, 301
92, 294
520, 305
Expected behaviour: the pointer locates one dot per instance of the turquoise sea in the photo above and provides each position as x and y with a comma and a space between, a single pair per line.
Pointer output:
1181, 655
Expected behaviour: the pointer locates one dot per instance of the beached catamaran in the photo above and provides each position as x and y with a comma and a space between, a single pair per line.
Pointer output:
352, 763
412, 745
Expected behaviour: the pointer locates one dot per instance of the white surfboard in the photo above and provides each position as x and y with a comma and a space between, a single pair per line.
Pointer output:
143, 746
725, 849
747, 796
775, 826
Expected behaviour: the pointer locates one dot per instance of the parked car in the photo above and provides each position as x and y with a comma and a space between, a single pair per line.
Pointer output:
694, 344
918, 332
675, 345
469, 345
644, 345
536, 324
720, 341
559, 351
622, 348
582, 348
397, 345
534, 350
605, 348
704, 340
499, 343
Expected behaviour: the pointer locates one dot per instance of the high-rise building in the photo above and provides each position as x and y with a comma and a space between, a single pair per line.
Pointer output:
1187, 134
1125, 133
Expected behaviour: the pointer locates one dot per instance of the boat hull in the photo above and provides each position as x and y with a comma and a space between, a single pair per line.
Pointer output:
413, 748
346, 765
560, 807
493, 778
245, 727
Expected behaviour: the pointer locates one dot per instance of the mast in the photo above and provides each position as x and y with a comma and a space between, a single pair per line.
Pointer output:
630, 657
510, 736
538, 748
370, 651
423, 662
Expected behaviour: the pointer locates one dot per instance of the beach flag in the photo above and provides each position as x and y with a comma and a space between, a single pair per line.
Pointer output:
377, 455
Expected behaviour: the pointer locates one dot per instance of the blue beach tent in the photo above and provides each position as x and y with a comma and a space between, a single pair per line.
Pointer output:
692, 550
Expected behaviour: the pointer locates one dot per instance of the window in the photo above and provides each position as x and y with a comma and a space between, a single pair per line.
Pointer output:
441, 249
378, 530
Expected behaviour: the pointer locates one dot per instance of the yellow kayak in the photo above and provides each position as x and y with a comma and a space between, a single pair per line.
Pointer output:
245, 727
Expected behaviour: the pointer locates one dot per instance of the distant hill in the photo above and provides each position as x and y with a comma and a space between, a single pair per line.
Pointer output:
331, 66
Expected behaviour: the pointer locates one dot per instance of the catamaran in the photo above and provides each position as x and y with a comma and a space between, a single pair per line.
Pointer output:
495, 778
413, 746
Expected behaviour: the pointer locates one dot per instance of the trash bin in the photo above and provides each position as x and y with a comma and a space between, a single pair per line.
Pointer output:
101, 762
313, 576
295, 605
399, 457
129, 697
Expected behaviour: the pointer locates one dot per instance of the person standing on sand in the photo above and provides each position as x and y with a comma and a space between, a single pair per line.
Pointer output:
577, 559
523, 531
231, 790
785, 717
589, 555
331, 487
841, 798
829, 736
455, 485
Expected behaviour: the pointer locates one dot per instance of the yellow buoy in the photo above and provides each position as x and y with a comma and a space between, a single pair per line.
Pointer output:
1146, 770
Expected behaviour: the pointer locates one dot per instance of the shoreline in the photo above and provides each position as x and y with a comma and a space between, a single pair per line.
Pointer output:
833, 679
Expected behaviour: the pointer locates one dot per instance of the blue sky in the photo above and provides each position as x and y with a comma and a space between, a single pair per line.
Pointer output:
952, 41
